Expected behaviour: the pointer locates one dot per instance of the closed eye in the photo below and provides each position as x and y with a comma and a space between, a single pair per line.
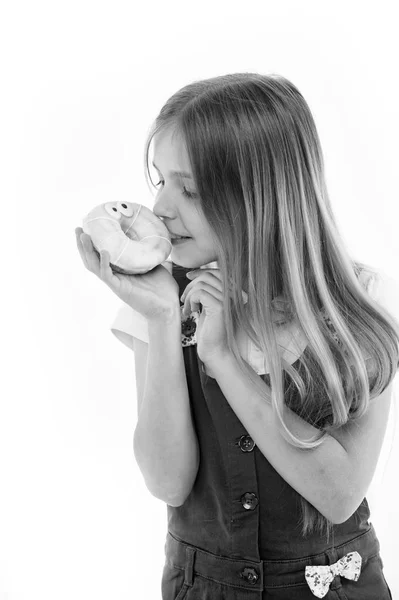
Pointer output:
184, 192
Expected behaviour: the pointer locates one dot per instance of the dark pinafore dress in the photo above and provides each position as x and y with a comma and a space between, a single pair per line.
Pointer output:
238, 536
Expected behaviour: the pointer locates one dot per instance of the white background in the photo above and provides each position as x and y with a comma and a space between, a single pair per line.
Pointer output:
81, 84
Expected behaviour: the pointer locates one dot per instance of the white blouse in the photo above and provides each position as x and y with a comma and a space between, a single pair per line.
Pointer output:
129, 323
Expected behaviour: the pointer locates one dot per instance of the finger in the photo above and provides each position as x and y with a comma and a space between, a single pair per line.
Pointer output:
190, 306
197, 272
81, 249
186, 291
196, 281
93, 261
207, 298
207, 276
105, 269
216, 273
193, 299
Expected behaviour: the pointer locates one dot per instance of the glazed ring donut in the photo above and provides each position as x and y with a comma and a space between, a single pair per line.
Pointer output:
136, 239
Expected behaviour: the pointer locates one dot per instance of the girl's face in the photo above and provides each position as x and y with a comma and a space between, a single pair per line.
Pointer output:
178, 205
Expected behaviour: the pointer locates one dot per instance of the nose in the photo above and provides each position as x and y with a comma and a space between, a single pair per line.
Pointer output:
157, 210
163, 208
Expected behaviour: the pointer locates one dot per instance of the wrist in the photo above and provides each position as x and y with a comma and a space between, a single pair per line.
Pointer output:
169, 316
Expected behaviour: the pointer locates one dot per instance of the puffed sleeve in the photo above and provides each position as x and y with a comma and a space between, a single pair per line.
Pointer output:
385, 291
129, 323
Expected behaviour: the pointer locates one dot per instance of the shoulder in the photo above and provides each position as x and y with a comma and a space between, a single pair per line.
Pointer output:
383, 288
368, 277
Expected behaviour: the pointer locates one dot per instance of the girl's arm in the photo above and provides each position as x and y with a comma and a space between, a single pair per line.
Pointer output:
335, 476
165, 443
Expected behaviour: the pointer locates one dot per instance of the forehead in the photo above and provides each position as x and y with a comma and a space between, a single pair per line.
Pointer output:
170, 151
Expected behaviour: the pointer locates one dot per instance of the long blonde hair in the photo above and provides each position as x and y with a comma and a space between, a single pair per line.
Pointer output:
258, 168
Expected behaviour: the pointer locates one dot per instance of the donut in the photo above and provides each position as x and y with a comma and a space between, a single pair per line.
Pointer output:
136, 239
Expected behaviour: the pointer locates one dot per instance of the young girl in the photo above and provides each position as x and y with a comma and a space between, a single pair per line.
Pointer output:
264, 394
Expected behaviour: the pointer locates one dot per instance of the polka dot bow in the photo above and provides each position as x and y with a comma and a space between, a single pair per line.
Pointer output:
320, 577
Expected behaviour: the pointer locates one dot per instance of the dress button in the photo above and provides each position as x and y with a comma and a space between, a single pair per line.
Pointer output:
250, 575
246, 443
249, 500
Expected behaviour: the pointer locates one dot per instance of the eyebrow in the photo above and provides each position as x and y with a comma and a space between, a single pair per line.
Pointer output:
181, 173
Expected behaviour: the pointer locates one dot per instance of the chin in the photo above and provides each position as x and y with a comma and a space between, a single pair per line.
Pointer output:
187, 260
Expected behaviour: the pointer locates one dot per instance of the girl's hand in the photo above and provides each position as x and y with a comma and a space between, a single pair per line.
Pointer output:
153, 294
207, 289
